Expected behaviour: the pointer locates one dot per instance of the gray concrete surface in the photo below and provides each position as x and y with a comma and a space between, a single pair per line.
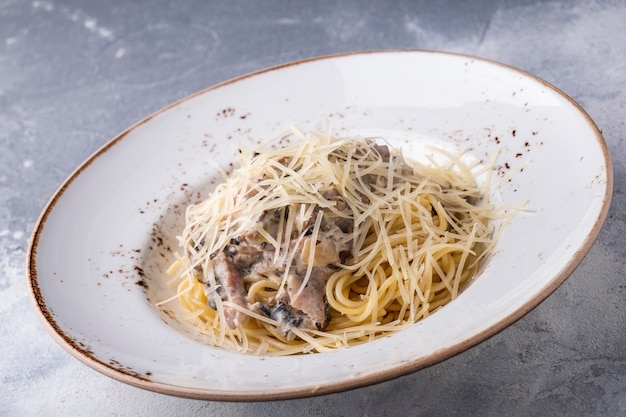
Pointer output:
75, 73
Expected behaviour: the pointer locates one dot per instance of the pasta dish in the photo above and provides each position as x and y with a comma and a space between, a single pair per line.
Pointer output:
329, 242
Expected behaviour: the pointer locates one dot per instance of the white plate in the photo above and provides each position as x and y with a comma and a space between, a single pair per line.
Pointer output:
100, 248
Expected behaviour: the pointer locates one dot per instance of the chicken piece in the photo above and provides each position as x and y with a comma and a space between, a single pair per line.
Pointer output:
310, 300
231, 288
325, 252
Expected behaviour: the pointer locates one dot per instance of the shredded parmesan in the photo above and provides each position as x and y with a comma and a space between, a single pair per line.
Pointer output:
392, 241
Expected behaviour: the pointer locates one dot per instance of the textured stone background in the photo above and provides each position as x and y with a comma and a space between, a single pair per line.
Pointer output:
75, 73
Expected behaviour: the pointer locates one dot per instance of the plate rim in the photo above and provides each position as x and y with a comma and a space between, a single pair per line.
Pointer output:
67, 343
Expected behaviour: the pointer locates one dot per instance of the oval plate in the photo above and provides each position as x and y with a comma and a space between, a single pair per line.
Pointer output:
98, 252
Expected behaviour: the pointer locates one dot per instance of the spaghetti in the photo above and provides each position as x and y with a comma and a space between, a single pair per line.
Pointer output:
330, 242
